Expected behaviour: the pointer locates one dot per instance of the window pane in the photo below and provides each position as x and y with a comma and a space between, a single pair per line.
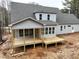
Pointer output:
26, 32
40, 16
64, 27
49, 30
53, 30
20, 32
48, 17
61, 28
69, 25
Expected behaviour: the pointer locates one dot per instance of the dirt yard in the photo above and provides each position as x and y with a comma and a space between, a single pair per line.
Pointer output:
69, 50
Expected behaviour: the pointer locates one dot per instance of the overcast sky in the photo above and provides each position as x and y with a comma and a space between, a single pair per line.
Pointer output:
50, 3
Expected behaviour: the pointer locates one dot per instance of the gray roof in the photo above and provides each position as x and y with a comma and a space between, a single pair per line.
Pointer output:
48, 23
67, 19
44, 23
20, 11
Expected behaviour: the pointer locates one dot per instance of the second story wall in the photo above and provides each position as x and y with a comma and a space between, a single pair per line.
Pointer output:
45, 16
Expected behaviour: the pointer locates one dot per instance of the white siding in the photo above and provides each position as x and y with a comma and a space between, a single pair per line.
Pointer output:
44, 16
27, 25
57, 30
67, 29
53, 17
76, 28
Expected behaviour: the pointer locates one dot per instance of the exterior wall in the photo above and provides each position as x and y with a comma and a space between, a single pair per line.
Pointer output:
44, 16
76, 28
73, 28
27, 25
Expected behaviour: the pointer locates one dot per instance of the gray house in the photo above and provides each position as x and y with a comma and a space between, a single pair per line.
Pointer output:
30, 21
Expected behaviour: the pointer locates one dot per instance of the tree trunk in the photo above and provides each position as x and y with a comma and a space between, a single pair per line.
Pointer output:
0, 33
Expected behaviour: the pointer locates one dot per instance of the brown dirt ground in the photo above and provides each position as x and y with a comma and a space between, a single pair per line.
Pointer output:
69, 50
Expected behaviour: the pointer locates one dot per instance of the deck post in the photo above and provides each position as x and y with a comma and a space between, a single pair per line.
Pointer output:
34, 36
46, 46
44, 38
12, 39
24, 38
56, 44
40, 36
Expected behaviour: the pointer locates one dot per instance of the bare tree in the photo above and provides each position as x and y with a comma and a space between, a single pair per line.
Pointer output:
3, 16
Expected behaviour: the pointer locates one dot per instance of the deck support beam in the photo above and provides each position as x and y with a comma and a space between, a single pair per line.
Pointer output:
56, 44
40, 36
46, 46
12, 41
34, 36
24, 39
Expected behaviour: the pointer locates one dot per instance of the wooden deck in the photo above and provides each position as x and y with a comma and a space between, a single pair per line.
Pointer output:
18, 43
22, 42
53, 40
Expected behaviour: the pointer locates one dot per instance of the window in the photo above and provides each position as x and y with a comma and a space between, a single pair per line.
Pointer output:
26, 32
53, 30
40, 17
42, 30
46, 31
72, 28
64, 27
61, 28
48, 17
21, 33
49, 30
69, 25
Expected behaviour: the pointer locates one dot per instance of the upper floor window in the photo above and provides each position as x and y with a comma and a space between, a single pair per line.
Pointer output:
48, 17
40, 16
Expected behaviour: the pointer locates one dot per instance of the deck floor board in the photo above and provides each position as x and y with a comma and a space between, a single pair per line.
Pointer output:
20, 42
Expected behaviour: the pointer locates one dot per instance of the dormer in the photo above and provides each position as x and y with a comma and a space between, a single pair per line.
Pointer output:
45, 16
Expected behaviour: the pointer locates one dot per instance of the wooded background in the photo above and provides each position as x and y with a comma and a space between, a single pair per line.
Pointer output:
71, 6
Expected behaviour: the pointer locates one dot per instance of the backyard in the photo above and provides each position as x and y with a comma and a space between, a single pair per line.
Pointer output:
68, 50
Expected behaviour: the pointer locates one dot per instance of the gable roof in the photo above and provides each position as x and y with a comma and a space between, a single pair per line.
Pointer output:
45, 23
20, 11
25, 19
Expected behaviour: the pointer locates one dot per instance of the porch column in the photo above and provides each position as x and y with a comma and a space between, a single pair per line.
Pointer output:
24, 38
44, 31
34, 36
44, 38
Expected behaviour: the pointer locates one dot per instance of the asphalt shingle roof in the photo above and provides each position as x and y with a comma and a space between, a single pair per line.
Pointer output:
20, 11
48, 23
